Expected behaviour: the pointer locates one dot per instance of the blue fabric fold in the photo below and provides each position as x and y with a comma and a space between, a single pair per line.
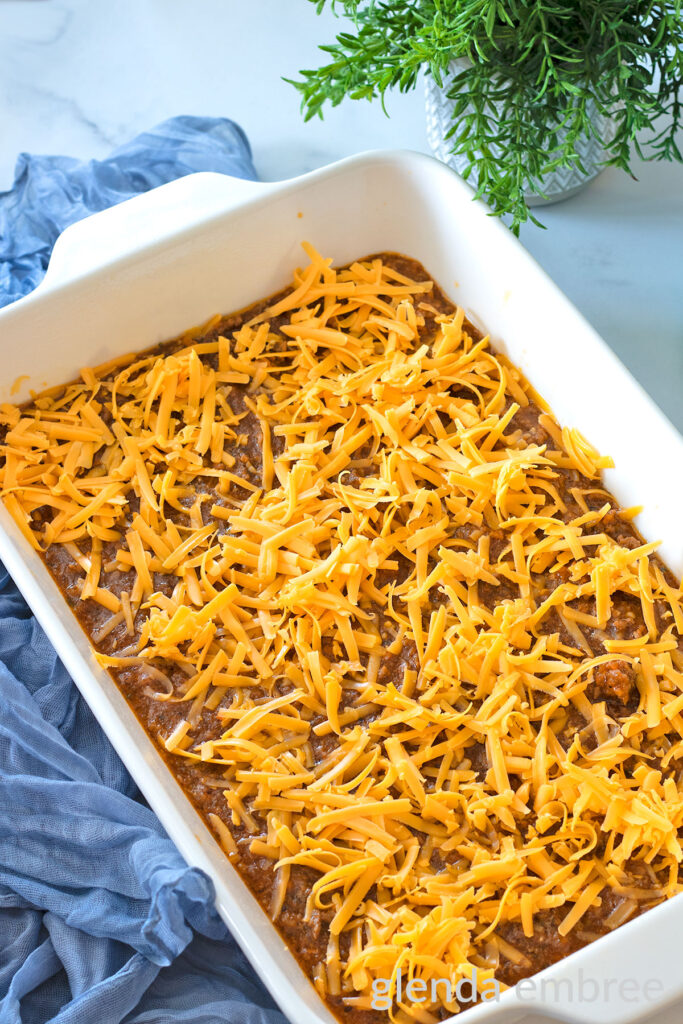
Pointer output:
100, 917
51, 192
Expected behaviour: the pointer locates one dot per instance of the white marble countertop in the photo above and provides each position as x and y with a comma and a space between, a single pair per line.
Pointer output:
81, 76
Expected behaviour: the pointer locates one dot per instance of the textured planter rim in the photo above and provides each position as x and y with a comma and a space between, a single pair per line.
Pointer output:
563, 183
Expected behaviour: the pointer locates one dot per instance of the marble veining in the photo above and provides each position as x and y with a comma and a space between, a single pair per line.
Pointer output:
82, 76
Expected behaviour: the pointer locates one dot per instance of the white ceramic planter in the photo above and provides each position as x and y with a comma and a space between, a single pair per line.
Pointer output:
560, 184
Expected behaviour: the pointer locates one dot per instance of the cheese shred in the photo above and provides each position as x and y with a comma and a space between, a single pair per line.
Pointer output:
385, 593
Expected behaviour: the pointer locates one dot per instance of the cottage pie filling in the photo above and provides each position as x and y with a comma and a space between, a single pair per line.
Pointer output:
417, 670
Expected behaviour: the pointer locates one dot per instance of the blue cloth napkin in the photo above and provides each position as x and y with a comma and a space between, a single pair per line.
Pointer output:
100, 918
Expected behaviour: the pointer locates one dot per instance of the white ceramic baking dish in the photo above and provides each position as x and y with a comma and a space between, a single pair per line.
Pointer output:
144, 271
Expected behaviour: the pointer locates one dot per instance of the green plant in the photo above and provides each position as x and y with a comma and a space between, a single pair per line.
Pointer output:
535, 68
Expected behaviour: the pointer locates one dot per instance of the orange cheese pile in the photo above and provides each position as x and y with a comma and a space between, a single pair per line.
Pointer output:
376, 713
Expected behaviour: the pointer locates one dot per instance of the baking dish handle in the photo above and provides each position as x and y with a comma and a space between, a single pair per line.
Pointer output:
630, 976
597, 1008
144, 222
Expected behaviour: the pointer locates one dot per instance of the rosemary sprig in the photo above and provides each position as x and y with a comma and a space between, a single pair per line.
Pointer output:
524, 99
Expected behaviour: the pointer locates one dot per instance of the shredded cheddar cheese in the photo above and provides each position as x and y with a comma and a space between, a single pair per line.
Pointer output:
407, 641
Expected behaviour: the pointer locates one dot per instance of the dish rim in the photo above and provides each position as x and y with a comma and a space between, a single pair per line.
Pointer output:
195, 841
